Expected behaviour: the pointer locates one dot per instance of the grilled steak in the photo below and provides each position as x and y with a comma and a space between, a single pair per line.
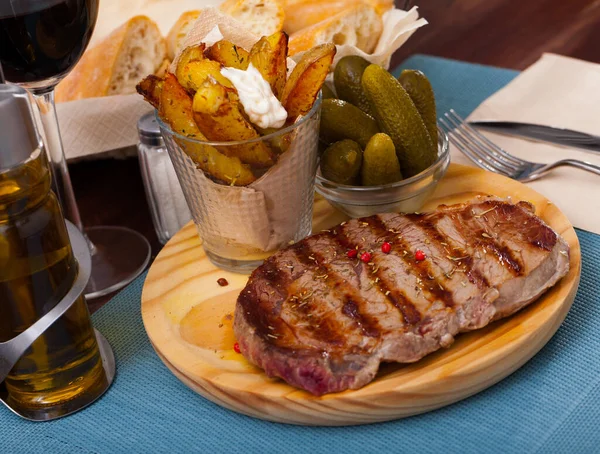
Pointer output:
322, 319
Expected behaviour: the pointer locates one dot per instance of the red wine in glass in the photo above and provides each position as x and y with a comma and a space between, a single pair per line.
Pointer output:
45, 39
40, 42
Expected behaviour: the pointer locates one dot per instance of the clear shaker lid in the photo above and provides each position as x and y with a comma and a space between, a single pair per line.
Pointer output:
149, 131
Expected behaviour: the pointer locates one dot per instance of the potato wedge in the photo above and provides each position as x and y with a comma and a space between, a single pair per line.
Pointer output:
269, 57
150, 88
303, 85
188, 55
220, 118
176, 109
195, 73
228, 54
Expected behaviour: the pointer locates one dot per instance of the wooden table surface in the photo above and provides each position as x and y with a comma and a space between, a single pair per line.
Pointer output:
501, 33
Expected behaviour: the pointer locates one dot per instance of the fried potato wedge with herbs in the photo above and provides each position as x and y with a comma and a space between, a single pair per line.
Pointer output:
219, 117
302, 87
150, 88
176, 110
269, 57
195, 73
189, 54
228, 54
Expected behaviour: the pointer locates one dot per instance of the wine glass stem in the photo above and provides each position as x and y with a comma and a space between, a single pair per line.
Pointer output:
54, 146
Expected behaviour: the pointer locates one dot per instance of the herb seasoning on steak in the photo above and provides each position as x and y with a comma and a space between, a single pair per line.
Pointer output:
323, 320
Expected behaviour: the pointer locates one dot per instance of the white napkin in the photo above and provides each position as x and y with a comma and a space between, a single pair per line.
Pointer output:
555, 91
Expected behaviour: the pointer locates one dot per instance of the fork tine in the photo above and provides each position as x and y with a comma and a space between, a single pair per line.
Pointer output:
464, 150
476, 148
481, 138
483, 146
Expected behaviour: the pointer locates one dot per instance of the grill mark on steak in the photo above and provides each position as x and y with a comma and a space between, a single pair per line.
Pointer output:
277, 278
423, 268
353, 300
395, 296
409, 312
343, 244
365, 323
340, 289
324, 329
539, 235
490, 267
426, 223
475, 235
546, 240
470, 307
277, 282
534, 232
419, 269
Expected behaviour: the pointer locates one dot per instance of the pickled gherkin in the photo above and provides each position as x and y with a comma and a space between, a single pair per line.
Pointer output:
398, 117
341, 162
380, 164
347, 80
420, 91
341, 120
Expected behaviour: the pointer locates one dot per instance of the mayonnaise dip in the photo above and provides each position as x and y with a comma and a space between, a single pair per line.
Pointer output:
260, 104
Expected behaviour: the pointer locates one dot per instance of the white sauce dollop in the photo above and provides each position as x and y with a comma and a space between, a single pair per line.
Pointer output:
261, 105
213, 36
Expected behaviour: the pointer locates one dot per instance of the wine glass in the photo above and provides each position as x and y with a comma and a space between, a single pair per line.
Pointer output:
41, 41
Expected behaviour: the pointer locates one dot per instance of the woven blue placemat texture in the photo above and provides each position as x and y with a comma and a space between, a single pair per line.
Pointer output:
552, 404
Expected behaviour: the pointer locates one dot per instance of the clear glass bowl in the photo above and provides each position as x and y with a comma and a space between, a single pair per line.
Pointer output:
241, 226
405, 196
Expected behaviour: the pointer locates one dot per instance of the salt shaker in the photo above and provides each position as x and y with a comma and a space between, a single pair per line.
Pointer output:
165, 198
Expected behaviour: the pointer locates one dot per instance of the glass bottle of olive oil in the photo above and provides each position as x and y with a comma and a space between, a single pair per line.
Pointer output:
37, 269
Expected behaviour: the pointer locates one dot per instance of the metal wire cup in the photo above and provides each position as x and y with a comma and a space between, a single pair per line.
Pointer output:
241, 226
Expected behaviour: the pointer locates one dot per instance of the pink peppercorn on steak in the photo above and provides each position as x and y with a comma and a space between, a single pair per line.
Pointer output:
325, 312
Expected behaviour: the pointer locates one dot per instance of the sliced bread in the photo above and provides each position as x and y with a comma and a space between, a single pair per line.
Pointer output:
115, 65
300, 14
261, 17
179, 31
358, 26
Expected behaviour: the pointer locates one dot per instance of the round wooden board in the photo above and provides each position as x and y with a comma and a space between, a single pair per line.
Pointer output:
188, 318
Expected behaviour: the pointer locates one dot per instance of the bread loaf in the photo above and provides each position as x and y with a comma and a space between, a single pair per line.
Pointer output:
300, 14
358, 26
116, 64
179, 31
261, 17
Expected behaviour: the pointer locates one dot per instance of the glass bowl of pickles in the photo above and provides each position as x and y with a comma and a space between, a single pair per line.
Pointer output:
381, 149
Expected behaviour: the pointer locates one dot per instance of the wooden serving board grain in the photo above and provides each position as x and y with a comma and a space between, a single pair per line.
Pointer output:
188, 318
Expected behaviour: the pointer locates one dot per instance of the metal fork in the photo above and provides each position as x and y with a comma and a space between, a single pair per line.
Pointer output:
490, 156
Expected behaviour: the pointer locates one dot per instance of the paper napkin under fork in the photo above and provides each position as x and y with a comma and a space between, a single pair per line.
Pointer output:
555, 91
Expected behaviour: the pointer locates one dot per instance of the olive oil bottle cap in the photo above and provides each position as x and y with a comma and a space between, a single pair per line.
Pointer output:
19, 137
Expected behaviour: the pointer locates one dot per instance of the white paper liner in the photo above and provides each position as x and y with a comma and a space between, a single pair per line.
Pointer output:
94, 127
398, 26
245, 222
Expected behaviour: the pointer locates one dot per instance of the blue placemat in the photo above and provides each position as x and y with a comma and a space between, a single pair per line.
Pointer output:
552, 404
